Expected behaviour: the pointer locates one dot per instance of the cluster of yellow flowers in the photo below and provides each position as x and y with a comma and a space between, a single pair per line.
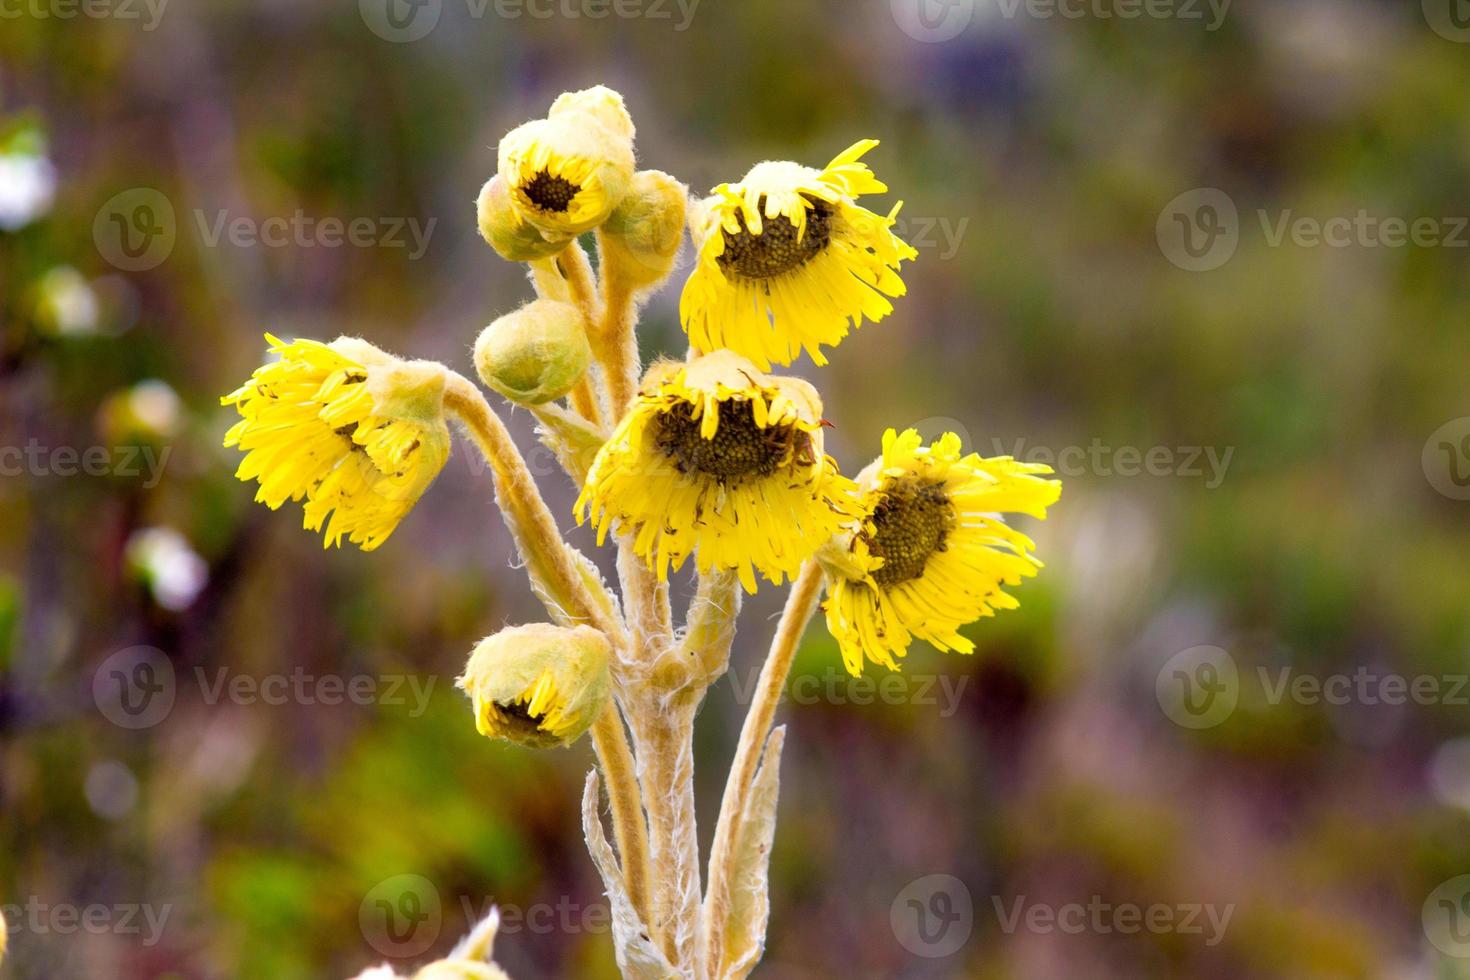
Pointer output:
715, 458
711, 456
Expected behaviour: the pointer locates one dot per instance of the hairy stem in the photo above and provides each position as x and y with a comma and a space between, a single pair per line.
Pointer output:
663, 729
800, 605
615, 341
629, 828
567, 584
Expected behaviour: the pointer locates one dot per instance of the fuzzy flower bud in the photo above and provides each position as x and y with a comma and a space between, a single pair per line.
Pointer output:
567, 172
535, 354
512, 237
599, 102
539, 685
641, 238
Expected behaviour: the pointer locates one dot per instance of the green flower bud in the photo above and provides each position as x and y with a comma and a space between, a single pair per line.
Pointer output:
514, 238
641, 238
535, 354
540, 685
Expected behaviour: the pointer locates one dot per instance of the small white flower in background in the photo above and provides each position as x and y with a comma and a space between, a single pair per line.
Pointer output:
66, 302
173, 571
27, 188
156, 406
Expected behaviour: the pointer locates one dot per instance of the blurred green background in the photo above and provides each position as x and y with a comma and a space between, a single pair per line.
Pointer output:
1262, 439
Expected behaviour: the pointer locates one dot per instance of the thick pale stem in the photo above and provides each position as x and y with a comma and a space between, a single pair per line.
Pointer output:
629, 829
800, 606
615, 341
567, 277
569, 587
663, 729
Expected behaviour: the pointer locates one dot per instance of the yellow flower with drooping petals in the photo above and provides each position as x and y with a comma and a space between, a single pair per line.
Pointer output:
719, 460
539, 685
933, 551
789, 261
360, 434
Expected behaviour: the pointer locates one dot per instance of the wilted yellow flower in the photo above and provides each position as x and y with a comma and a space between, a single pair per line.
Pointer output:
717, 459
567, 172
933, 551
539, 685
358, 433
789, 261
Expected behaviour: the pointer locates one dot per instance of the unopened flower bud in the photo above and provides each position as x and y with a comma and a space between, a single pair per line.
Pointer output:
641, 239
600, 102
539, 685
535, 354
513, 237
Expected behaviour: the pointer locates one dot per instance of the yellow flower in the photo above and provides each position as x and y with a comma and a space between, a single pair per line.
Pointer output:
717, 459
539, 685
787, 260
933, 551
351, 429
567, 172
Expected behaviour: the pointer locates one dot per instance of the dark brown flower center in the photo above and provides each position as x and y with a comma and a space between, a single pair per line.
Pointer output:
740, 449
550, 193
776, 249
911, 523
517, 713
